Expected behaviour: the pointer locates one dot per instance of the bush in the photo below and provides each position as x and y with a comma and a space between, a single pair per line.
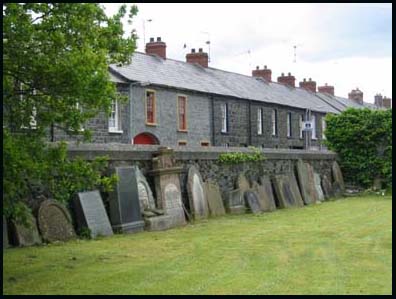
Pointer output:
363, 140
236, 158
31, 168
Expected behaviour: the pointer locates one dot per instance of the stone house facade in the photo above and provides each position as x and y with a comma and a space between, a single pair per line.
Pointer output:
175, 103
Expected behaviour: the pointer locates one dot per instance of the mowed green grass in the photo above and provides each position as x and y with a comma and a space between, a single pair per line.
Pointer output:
337, 247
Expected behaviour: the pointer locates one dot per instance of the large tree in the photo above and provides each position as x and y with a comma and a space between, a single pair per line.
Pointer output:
55, 73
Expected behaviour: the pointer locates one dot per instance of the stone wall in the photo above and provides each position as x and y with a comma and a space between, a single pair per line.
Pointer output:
278, 161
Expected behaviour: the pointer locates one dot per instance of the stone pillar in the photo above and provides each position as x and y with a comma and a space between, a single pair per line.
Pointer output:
167, 185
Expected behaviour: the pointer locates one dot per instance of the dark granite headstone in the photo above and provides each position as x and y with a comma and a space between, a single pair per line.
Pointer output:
252, 201
125, 213
25, 235
305, 176
6, 243
287, 192
91, 214
215, 202
234, 203
266, 197
196, 194
54, 222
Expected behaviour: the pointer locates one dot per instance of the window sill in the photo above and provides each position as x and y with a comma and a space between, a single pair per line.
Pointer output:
151, 124
182, 131
314, 138
116, 131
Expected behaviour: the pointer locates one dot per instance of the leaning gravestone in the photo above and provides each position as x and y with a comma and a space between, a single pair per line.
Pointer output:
252, 201
337, 176
127, 198
318, 187
54, 222
196, 194
235, 202
91, 214
305, 176
287, 192
242, 182
266, 197
215, 202
146, 198
326, 187
6, 243
25, 235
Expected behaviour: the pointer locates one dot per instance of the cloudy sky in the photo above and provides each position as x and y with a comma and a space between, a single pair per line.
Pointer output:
344, 45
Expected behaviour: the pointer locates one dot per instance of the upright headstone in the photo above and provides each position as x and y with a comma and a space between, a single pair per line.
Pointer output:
91, 214
286, 191
242, 182
266, 196
326, 187
252, 201
167, 186
6, 243
234, 203
215, 202
54, 222
25, 234
196, 194
146, 198
305, 176
318, 187
338, 178
125, 202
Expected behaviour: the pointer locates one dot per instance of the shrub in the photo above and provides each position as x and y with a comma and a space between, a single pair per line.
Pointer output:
238, 157
363, 140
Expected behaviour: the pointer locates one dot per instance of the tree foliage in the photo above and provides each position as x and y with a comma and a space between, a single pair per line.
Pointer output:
55, 74
363, 140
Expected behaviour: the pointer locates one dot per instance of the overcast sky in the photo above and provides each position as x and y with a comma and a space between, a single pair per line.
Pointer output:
344, 45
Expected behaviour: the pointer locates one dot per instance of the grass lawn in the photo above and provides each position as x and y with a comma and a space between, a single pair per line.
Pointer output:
337, 247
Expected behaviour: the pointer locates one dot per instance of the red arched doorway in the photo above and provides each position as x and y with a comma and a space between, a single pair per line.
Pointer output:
145, 138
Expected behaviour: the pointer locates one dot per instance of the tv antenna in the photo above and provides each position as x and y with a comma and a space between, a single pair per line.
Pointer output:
208, 43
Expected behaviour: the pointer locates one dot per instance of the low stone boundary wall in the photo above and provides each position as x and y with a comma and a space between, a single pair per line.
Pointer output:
278, 161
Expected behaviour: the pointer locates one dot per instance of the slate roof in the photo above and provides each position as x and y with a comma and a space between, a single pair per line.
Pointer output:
178, 74
341, 103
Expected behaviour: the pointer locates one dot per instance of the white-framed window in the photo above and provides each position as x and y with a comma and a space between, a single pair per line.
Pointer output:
313, 120
115, 118
323, 128
274, 122
300, 121
289, 124
224, 117
259, 121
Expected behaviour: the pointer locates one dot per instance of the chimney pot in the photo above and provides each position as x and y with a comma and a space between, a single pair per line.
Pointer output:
282, 74
257, 67
265, 67
304, 80
289, 74
200, 50
193, 50
158, 39
151, 39
310, 79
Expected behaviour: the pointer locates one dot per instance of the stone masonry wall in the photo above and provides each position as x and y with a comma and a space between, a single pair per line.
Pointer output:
278, 161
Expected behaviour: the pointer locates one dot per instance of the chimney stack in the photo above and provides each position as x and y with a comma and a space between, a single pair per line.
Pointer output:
288, 80
201, 57
326, 89
387, 102
356, 95
156, 47
308, 85
264, 73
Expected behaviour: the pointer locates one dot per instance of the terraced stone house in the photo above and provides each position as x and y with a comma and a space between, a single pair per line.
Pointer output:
188, 103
